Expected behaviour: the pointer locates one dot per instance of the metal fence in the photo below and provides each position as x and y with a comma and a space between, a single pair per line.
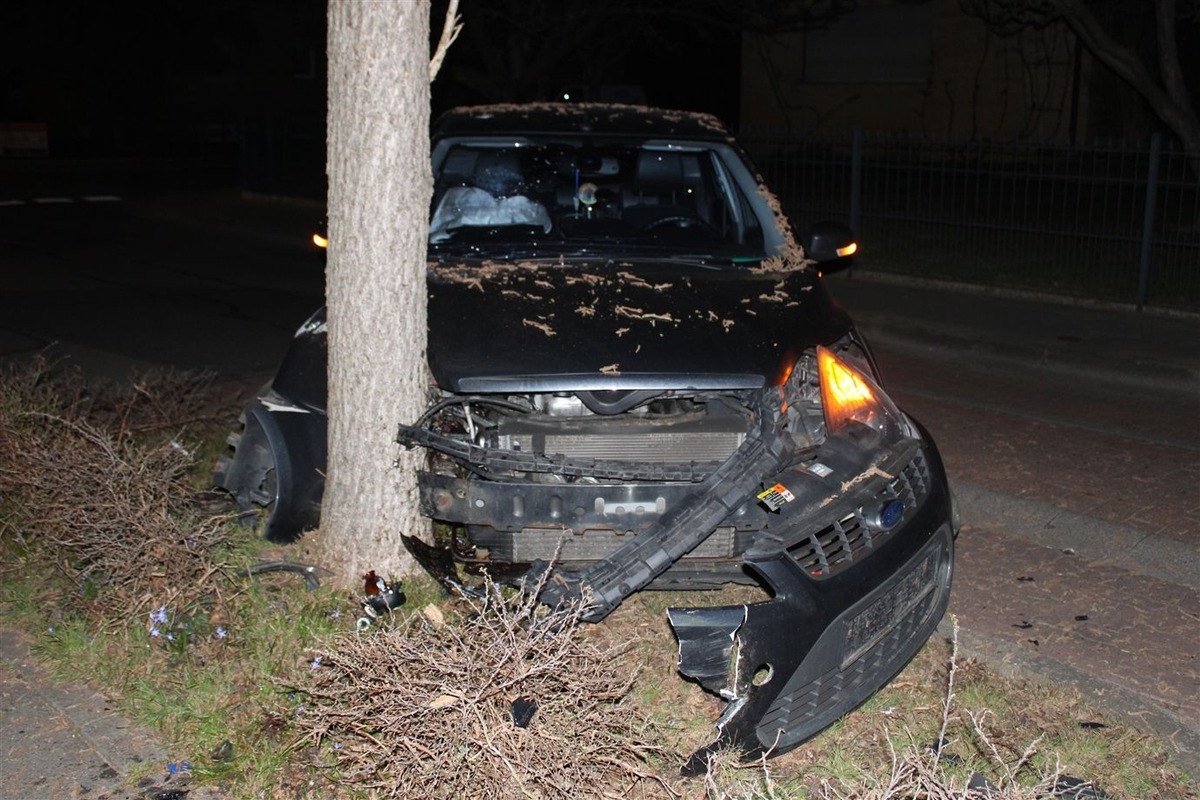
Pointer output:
1110, 222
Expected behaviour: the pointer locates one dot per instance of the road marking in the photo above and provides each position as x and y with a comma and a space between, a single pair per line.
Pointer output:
87, 198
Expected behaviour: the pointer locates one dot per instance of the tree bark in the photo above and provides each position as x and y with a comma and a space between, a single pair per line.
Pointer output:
380, 187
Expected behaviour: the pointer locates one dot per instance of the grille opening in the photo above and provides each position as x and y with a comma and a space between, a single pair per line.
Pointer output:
842, 542
830, 549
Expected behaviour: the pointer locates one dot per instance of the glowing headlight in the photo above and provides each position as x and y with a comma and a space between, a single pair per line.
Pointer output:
850, 395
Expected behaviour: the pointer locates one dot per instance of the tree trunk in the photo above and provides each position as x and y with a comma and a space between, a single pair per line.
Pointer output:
379, 192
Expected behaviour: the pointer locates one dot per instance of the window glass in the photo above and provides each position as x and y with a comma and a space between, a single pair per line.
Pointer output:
573, 190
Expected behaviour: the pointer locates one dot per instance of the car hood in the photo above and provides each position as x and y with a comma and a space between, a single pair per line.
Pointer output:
564, 326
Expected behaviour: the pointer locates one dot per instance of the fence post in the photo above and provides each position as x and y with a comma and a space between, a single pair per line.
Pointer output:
856, 179
1148, 219
856, 187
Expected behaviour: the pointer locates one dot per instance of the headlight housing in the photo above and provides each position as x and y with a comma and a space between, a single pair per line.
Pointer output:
850, 396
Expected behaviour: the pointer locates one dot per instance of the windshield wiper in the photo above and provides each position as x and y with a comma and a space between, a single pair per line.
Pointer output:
452, 249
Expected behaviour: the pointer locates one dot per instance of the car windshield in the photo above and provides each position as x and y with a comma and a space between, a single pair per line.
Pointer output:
676, 198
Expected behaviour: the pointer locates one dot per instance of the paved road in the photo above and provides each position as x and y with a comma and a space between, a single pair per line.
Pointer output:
1072, 437
194, 283
1071, 432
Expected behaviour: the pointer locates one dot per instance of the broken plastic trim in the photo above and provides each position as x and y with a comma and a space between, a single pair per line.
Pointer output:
311, 573
381, 599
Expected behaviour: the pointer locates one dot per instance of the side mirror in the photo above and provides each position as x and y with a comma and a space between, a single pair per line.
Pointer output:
831, 245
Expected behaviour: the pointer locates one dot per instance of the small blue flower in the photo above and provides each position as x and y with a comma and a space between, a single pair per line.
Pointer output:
221, 632
154, 631
170, 637
159, 616
337, 745
315, 664
335, 614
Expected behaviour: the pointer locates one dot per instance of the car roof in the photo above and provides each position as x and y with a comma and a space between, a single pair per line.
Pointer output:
601, 118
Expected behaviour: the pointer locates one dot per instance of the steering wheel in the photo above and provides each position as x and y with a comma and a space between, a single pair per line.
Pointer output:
678, 221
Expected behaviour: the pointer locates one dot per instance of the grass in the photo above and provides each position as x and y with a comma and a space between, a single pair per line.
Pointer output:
199, 690
233, 683
236, 689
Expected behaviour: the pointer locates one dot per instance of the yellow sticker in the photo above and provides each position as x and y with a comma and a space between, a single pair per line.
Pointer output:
776, 497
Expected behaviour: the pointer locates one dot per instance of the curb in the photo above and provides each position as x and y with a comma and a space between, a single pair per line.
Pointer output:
903, 334
1137, 551
1006, 293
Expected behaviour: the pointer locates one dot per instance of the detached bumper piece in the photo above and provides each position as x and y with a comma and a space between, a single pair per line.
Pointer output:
856, 588
792, 666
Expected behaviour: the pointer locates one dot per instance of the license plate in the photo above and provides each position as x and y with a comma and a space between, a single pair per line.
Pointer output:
873, 622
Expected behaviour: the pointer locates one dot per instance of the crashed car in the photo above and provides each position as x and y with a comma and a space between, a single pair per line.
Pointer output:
641, 382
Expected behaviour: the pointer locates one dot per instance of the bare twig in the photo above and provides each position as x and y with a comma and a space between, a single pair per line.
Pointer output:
948, 699
451, 27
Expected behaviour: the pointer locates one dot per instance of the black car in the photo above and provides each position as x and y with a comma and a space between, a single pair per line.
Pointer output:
642, 383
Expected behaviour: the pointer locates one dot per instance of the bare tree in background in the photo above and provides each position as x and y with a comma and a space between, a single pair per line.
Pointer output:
1162, 86
380, 185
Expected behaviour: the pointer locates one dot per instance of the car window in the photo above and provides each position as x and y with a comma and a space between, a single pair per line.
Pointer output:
601, 193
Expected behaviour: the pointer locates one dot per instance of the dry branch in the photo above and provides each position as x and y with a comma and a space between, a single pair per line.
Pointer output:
110, 506
431, 711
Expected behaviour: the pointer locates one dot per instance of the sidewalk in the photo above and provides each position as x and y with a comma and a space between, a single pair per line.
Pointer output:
63, 740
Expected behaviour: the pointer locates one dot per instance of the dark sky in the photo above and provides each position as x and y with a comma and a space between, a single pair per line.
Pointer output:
134, 77
664, 51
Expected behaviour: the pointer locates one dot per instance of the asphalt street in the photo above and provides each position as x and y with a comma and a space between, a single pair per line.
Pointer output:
1071, 431
1071, 434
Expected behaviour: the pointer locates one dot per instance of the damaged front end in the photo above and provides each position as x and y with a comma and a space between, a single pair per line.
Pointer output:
816, 489
852, 602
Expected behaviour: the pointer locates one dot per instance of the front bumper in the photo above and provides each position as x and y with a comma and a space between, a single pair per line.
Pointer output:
851, 603
792, 666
